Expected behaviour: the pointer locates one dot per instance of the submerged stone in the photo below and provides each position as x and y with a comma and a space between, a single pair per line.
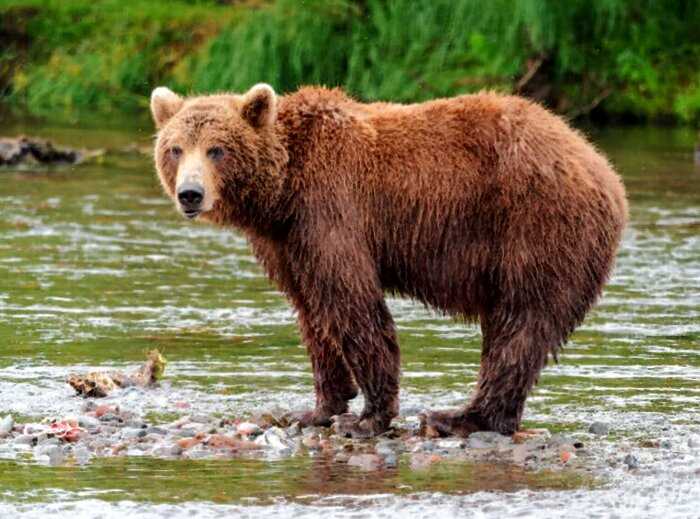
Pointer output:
631, 461
599, 428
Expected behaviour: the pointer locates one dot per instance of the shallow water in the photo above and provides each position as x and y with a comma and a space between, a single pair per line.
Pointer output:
96, 268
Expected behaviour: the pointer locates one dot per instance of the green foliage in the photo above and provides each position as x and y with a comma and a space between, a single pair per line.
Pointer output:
288, 44
103, 54
626, 58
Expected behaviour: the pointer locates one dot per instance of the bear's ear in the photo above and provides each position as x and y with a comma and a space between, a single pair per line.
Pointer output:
164, 104
259, 106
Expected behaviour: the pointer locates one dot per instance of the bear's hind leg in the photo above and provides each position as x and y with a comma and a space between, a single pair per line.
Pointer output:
515, 349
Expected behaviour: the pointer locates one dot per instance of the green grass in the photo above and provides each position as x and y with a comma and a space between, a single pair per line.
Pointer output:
101, 55
617, 58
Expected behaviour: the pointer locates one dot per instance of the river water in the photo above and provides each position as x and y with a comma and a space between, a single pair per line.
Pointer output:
96, 268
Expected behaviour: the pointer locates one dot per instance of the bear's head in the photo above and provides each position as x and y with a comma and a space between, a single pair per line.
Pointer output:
220, 157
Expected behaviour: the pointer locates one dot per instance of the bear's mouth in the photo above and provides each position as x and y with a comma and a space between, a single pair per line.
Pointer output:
191, 213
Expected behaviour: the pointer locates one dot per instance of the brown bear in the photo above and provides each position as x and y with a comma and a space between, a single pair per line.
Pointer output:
482, 206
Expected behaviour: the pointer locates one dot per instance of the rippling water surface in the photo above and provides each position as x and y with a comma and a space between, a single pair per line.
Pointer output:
96, 268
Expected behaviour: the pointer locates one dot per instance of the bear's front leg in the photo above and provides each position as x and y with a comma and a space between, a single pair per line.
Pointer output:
372, 353
342, 303
358, 348
334, 385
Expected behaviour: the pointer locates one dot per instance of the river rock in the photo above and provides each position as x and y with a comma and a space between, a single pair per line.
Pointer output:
631, 461
248, 429
6, 425
197, 453
391, 461
387, 447
450, 444
599, 428
54, 453
110, 417
366, 462
88, 406
135, 424
82, 455
486, 440
557, 440
188, 432
167, 451
160, 431
311, 441
33, 428
175, 450
7, 452
183, 420
133, 432
294, 430
272, 418
521, 453
423, 460
424, 446
25, 439
276, 439
88, 422
45, 441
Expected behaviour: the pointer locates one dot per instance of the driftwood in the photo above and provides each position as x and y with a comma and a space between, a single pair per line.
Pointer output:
17, 151
100, 384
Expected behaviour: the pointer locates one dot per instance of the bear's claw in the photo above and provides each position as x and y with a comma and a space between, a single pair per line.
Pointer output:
309, 417
459, 422
350, 425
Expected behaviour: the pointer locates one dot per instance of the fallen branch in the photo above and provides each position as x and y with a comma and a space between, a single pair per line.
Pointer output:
100, 384
586, 109
531, 71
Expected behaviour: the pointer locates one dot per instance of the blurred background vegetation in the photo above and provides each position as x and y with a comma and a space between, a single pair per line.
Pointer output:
611, 60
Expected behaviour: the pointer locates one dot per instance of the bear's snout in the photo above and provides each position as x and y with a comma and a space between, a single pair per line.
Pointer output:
190, 195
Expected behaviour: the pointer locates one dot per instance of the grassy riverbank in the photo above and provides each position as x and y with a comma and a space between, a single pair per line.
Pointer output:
614, 59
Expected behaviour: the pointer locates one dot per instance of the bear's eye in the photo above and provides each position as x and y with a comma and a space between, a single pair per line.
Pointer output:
215, 152
176, 151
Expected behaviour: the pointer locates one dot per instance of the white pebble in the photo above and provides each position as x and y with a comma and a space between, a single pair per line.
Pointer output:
6, 425
248, 429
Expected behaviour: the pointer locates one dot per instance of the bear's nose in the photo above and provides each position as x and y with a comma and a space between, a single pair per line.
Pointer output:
190, 194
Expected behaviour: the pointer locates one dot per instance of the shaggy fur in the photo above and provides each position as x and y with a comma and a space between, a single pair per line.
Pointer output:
482, 206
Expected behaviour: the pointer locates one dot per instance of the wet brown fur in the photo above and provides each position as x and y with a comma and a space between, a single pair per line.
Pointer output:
482, 206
